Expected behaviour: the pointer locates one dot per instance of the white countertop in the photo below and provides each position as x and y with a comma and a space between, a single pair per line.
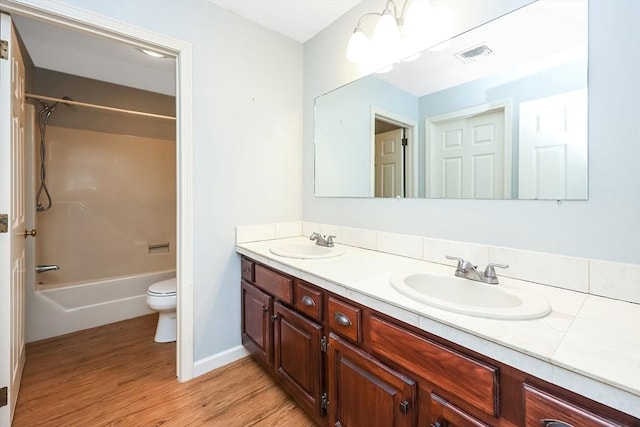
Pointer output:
587, 344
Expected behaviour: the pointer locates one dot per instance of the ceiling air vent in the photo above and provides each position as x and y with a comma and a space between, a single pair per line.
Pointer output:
473, 54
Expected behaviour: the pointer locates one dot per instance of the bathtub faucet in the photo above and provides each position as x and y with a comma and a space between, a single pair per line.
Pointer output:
43, 268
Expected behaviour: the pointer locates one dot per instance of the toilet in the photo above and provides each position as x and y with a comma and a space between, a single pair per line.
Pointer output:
161, 297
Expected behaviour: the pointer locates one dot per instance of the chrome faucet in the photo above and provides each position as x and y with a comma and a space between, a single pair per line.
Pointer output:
43, 268
467, 270
322, 240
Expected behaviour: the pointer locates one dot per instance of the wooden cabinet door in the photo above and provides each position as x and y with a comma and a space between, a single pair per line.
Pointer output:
298, 357
256, 323
365, 392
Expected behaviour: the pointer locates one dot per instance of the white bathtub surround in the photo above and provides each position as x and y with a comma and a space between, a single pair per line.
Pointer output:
588, 344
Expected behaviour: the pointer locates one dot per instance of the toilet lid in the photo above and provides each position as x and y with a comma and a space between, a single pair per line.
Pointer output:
163, 288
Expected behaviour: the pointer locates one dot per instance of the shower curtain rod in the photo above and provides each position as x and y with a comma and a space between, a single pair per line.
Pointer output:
98, 107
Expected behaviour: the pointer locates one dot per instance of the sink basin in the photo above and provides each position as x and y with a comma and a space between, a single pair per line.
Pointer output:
306, 251
470, 297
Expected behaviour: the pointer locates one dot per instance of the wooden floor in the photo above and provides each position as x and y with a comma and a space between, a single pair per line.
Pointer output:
116, 375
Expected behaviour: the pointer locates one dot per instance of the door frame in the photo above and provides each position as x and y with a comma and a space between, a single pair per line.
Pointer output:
88, 22
411, 159
430, 124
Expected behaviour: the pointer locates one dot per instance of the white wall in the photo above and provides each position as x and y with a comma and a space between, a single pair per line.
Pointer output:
607, 226
247, 103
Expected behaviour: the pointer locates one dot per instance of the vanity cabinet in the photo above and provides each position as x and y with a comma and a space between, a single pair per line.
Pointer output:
350, 366
282, 329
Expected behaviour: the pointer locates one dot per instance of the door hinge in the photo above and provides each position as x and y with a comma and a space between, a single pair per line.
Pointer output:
324, 344
4, 223
4, 49
324, 399
405, 142
3, 396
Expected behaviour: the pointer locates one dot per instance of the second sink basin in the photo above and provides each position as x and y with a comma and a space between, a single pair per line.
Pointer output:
306, 251
471, 297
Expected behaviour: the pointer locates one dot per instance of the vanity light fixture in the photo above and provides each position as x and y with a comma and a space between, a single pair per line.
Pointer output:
398, 35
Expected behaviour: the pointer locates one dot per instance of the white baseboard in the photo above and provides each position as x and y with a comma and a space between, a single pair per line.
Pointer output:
210, 363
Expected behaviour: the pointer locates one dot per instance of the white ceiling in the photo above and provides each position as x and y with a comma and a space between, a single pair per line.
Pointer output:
517, 43
67, 51
297, 19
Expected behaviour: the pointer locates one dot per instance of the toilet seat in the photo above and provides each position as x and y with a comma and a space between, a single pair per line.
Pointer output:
164, 288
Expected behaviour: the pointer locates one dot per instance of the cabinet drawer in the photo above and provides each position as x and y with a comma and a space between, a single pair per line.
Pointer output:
444, 414
542, 409
276, 284
308, 300
465, 380
344, 319
246, 269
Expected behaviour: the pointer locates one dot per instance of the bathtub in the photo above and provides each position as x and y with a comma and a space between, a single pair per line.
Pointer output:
68, 308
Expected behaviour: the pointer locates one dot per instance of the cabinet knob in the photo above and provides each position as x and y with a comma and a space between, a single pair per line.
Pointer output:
31, 233
341, 319
274, 317
265, 308
404, 407
553, 423
308, 301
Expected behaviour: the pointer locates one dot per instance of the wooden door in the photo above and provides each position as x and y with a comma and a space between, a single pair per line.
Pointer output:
389, 164
364, 392
468, 157
12, 242
553, 147
298, 357
256, 323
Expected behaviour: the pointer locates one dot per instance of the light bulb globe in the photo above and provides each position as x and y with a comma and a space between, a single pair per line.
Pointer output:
358, 46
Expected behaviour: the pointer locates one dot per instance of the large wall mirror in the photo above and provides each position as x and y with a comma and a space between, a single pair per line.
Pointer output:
498, 112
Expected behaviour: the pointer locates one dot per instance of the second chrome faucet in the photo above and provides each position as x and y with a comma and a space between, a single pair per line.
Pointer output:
467, 270
322, 240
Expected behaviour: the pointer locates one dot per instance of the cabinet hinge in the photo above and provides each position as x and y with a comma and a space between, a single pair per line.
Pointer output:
3, 396
4, 49
324, 344
324, 399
